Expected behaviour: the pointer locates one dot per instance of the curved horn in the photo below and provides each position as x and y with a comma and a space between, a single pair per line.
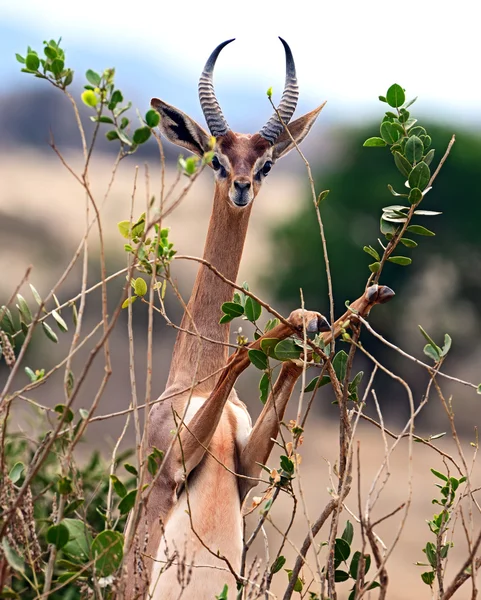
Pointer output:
210, 107
288, 103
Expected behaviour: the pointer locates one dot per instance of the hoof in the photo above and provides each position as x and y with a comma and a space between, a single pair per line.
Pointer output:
320, 323
379, 294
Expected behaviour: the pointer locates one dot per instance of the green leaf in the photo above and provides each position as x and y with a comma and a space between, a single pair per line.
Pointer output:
24, 309
115, 99
80, 539
20, 59
64, 486
278, 564
127, 502
374, 267
152, 118
140, 287
354, 567
414, 149
478, 389
264, 385
447, 344
408, 243
57, 67
58, 535
61, 409
108, 551
153, 461
73, 506
340, 576
287, 350
387, 227
35, 294
395, 96
16, 472
439, 475
348, 533
400, 260
226, 319
102, 119
420, 230
50, 52
372, 252
342, 550
60, 322
426, 336
141, 135
6, 322
124, 229
232, 309
373, 142
258, 359
389, 133
268, 346
112, 135
93, 77
415, 196
430, 551
224, 594
89, 98
128, 301
311, 386
287, 465
432, 352
394, 193
131, 469
252, 309
271, 323
322, 196
13, 559
428, 159
419, 176
32, 62
119, 487
339, 364
68, 78
428, 577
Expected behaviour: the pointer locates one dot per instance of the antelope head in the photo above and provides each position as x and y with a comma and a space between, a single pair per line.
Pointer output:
241, 162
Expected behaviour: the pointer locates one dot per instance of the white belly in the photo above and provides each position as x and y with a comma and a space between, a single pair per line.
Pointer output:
216, 518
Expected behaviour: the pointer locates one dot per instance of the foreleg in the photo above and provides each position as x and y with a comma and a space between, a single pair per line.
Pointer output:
260, 442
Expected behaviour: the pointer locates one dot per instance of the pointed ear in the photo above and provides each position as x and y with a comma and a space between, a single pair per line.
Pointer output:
298, 130
180, 129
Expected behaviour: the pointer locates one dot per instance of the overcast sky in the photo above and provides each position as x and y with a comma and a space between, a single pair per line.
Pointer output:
347, 52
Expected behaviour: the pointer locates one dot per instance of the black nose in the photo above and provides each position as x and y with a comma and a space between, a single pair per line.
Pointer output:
242, 186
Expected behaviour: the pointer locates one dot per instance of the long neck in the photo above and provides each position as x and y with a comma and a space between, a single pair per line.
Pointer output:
223, 249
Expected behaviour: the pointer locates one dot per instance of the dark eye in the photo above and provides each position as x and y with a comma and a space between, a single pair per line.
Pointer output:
267, 167
215, 163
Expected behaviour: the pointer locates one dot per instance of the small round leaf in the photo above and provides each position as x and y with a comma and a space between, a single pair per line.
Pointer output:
107, 550
58, 535
395, 96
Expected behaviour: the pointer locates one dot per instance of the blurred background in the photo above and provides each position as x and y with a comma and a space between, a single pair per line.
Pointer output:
346, 53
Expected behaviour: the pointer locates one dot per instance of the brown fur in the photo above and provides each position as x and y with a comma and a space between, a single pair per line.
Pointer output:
215, 493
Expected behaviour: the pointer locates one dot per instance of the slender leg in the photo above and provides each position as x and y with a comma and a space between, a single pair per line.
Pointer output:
259, 444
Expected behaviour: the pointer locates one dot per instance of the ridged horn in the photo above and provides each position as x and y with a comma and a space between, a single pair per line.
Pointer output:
288, 103
210, 107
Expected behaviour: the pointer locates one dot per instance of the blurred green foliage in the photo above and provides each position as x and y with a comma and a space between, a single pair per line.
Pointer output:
358, 182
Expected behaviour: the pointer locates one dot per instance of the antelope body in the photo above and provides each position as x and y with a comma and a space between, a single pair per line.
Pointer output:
193, 515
